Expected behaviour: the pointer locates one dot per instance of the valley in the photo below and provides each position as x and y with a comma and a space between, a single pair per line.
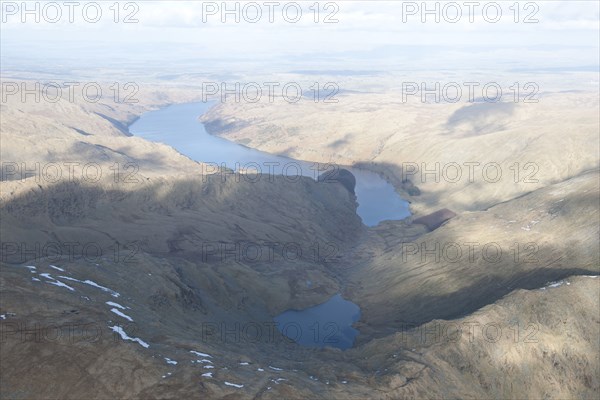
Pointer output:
143, 280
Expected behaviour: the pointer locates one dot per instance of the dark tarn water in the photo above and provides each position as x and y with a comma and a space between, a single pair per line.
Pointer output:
330, 323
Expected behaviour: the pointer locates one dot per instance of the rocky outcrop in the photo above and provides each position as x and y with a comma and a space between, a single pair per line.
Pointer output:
435, 219
343, 176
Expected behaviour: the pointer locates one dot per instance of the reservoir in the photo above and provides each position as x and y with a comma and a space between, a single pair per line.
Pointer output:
327, 324
179, 127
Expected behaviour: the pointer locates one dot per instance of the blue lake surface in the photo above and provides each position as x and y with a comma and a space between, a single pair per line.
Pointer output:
327, 324
178, 126
330, 323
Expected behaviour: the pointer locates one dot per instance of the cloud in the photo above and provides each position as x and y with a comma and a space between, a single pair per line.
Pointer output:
362, 26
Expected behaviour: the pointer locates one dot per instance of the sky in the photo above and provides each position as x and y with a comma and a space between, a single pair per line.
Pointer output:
343, 35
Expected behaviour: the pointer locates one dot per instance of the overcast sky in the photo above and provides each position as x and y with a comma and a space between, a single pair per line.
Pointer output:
376, 34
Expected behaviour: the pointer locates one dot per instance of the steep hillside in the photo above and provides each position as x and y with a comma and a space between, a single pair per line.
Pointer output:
154, 280
478, 257
462, 156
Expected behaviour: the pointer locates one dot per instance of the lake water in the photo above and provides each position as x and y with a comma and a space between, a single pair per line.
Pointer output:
330, 323
327, 324
178, 126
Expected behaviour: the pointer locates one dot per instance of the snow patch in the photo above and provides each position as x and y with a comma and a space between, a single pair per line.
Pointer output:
56, 268
120, 314
105, 289
554, 285
208, 375
169, 361
94, 284
124, 335
200, 354
113, 304
234, 385
275, 368
59, 283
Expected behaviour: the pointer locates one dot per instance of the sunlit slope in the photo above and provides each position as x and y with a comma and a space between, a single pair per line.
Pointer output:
463, 156
477, 257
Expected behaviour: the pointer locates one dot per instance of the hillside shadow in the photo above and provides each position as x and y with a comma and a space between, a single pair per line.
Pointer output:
165, 216
415, 292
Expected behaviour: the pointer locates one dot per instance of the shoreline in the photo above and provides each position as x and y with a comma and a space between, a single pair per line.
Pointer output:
371, 217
